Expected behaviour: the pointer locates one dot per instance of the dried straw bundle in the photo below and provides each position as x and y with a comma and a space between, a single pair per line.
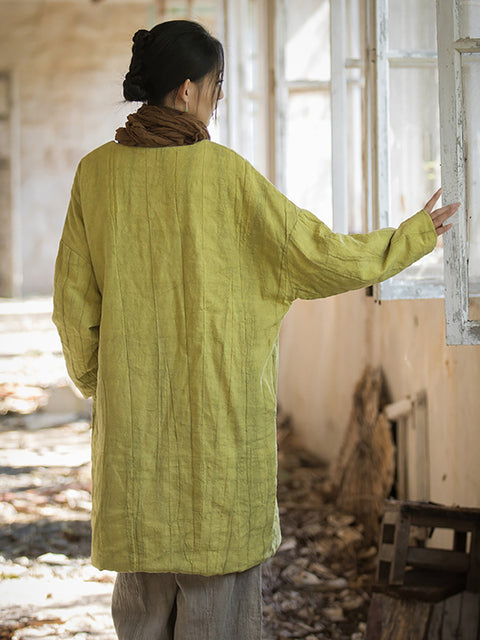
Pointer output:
364, 470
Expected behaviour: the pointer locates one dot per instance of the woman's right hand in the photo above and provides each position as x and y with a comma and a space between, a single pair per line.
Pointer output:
439, 216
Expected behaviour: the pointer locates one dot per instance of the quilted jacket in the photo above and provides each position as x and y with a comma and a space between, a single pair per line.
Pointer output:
175, 268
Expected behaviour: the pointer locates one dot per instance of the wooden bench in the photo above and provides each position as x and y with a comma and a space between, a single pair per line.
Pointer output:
421, 592
396, 558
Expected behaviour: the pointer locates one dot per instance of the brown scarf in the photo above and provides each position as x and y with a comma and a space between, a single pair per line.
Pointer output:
161, 127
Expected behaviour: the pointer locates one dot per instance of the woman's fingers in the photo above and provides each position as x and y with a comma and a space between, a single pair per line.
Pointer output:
433, 200
439, 216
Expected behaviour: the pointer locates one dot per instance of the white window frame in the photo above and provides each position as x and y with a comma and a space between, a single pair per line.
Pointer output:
460, 330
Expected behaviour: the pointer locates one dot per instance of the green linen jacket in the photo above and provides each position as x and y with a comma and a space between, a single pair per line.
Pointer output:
175, 268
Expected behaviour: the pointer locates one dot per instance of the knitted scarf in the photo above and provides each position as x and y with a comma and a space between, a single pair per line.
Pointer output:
154, 126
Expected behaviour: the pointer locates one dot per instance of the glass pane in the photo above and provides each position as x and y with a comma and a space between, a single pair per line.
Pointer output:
469, 18
412, 25
414, 139
471, 98
308, 151
414, 150
307, 51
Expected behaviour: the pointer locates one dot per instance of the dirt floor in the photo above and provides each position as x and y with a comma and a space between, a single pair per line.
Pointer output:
316, 587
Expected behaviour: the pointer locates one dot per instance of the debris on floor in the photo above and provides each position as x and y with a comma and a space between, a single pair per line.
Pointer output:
316, 587
318, 584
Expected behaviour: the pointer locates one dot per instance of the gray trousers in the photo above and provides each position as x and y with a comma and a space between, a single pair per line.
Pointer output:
169, 606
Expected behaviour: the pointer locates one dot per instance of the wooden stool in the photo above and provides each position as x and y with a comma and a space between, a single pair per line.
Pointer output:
427, 593
395, 555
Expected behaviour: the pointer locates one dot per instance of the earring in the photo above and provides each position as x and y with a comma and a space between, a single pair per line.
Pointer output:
186, 107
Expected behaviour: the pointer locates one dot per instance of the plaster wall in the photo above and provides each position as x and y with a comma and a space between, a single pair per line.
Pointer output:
324, 347
67, 61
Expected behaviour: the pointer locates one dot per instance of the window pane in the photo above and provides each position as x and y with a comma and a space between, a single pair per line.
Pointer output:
414, 151
308, 150
412, 25
471, 98
307, 52
414, 139
469, 18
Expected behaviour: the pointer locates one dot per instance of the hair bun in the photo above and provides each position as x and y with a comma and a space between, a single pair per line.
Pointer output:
134, 85
141, 36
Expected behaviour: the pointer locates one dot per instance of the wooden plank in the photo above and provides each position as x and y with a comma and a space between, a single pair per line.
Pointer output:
438, 558
386, 552
401, 454
469, 626
453, 513
421, 454
392, 619
435, 625
444, 522
402, 533
473, 577
451, 618
425, 585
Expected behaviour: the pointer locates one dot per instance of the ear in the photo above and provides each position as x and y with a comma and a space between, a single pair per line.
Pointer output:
183, 93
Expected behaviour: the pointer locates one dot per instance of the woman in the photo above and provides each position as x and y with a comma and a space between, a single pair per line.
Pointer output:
176, 266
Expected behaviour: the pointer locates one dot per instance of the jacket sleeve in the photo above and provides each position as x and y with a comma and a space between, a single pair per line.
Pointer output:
321, 263
77, 301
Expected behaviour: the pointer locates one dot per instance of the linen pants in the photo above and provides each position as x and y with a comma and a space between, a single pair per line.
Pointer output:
169, 606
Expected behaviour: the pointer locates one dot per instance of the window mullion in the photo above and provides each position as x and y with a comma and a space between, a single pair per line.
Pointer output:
382, 106
381, 201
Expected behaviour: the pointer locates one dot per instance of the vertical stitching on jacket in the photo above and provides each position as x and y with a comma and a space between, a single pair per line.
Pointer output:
203, 311
187, 361
129, 520
247, 452
154, 297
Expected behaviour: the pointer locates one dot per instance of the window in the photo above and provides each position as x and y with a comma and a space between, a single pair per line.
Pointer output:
402, 137
337, 102
404, 131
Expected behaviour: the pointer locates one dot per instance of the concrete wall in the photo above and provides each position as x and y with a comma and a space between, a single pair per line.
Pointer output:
324, 348
67, 61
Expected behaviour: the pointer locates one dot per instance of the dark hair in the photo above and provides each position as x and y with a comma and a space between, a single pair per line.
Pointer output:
164, 57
